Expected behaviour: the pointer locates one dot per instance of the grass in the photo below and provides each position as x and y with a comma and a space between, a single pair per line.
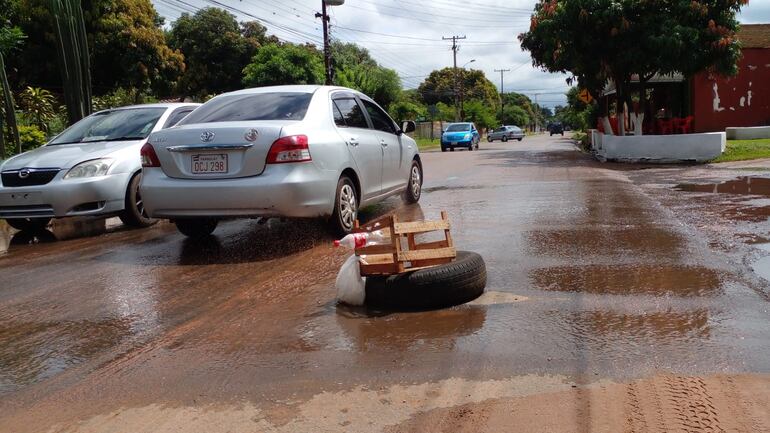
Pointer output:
428, 144
742, 150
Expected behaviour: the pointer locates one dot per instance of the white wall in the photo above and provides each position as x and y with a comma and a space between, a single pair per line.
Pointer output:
661, 148
751, 133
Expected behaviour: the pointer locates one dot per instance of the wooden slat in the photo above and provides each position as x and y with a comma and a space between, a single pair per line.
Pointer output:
438, 253
379, 269
377, 259
447, 234
420, 226
375, 249
431, 245
429, 263
384, 221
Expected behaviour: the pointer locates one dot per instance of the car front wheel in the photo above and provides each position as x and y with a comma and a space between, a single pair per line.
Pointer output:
505, 138
414, 187
196, 228
134, 214
28, 224
345, 207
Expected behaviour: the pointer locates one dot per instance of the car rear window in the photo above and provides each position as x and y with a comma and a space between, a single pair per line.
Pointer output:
253, 106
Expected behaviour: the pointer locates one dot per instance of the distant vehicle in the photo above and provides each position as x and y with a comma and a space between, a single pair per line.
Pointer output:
289, 151
505, 133
92, 168
460, 135
556, 128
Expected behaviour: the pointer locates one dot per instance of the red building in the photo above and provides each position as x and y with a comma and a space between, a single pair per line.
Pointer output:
742, 100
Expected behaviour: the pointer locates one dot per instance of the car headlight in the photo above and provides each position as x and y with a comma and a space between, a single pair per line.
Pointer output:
92, 168
468, 136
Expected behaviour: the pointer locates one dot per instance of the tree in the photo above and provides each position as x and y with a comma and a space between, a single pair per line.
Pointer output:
440, 86
480, 113
406, 110
601, 40
73, 57
38, 103
216, 49
515, 115
10, 38
276, 64
355, 68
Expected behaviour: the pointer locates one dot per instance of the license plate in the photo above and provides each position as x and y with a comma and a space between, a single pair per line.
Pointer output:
453, 143
209, 163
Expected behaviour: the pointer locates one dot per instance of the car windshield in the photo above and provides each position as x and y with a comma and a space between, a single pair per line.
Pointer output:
252, 106
459, 127
114, 125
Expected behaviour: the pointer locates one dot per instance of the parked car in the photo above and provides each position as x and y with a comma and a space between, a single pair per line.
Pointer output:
460, 135
288, 151
556, 128
505, 133
91, 168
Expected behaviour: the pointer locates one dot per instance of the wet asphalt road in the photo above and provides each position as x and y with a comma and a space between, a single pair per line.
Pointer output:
596, 271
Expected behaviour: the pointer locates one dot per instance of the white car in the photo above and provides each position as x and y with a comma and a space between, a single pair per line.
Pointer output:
290, 151
92, 168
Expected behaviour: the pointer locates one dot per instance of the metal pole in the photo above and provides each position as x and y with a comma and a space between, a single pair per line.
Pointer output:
502, 91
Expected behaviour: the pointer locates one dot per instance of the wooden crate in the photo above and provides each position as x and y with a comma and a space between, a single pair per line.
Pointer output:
391, 258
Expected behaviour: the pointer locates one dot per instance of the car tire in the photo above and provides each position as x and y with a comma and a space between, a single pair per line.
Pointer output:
451, 149
196, 228
440, 286
345, 207
443, 148
489, 140
134, 214
28, 224
504, 139
470, 147
521, 138
414, 184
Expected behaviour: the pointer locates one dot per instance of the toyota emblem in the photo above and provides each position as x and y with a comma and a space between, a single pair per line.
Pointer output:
251, 135
23, 173
207, 136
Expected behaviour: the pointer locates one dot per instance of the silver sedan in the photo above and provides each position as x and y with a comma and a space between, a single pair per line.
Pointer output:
505, 133
289, 151
92, 168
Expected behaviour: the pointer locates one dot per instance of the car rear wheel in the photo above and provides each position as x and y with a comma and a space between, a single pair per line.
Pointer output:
28, 224
345, 207
505, 138
443, 148
134, 214
489, 140
196, 228
414, 187
521, 138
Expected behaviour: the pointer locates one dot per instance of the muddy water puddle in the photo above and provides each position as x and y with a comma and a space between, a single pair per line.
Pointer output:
745, 185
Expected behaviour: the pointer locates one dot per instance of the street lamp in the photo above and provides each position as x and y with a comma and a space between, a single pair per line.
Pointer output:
462, 91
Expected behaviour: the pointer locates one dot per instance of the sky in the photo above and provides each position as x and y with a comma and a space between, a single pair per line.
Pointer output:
407, 35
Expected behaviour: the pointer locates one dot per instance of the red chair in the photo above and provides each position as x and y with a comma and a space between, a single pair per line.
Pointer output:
614, 124
665, 127
683, 126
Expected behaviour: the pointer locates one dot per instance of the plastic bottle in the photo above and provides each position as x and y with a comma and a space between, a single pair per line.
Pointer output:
360, 240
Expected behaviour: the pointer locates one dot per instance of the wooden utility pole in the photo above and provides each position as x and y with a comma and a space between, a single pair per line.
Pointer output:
455, 47
502, 91
327, 49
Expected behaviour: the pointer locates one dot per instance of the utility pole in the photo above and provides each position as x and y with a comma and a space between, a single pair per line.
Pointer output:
455, 47
502, 100
327, 49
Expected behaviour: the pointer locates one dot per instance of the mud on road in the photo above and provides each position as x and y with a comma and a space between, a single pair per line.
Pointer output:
619, 298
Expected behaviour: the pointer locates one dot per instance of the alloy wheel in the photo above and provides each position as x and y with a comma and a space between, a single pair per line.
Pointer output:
416, 183
347, 206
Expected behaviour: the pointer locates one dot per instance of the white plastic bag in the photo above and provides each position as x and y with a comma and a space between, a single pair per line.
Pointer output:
351, 286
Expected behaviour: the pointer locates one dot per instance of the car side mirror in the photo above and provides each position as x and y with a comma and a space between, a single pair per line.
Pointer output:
408, 126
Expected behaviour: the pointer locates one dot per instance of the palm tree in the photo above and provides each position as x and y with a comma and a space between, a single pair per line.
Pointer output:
72, 50
10, 37
38, 103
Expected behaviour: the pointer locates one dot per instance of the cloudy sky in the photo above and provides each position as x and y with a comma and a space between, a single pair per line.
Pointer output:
407, 35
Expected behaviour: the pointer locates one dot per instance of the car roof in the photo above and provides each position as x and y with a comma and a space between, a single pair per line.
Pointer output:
460, 123
166, 105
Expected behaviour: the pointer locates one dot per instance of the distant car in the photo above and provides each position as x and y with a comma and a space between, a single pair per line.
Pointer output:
505, 133
288, 151
556, 128
92, 168
460, 135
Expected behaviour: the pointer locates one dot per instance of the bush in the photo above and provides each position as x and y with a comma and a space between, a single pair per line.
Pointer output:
30, 137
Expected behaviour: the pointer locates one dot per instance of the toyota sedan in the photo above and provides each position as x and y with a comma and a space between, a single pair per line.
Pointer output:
91, 169
288, 151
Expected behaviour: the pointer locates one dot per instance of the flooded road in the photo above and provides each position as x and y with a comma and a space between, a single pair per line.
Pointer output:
635, 290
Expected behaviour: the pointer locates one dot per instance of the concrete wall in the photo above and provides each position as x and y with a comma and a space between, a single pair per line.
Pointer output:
748, 133
743, 100
660, 148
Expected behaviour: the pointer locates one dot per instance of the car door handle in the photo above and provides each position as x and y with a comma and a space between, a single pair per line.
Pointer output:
353, 141
383, 143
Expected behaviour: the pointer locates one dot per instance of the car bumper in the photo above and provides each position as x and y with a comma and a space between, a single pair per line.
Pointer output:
62, 198
461, 143
296, 190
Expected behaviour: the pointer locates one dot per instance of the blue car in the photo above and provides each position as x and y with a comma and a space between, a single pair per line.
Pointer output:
460, 135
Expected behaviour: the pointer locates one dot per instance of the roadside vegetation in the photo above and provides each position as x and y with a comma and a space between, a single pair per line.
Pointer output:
742, 150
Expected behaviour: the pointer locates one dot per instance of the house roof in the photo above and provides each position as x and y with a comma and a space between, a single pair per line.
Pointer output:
754, 35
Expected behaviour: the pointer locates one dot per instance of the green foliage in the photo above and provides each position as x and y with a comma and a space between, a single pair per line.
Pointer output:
445, 112
31, 137
73, 57
534, 114
480, 113
216, 49
276, 64
439, 86
38, 103
380, 84
407, 110
515, 115
121, 97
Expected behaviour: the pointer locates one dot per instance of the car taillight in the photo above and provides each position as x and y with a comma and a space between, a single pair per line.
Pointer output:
293, 148
149, 157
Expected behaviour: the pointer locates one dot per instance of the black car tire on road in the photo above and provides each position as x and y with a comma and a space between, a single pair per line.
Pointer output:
339, 226
196, 228
133, 214
440, 286
489, 140
414, 185
521, 138
28, 224
504, 139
